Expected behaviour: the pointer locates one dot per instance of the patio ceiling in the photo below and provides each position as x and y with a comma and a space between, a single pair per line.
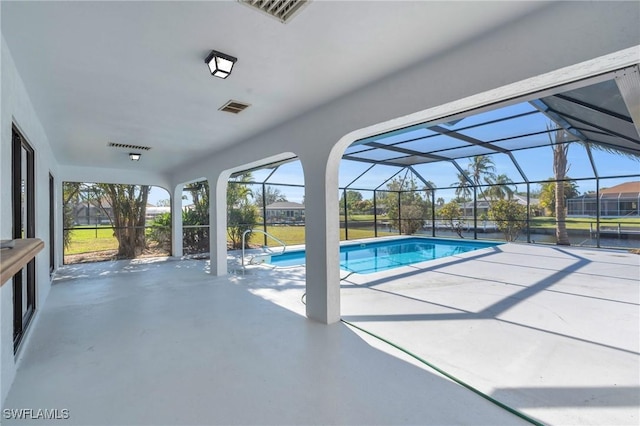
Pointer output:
133, 72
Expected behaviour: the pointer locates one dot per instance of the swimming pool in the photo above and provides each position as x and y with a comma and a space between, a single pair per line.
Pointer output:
366, 258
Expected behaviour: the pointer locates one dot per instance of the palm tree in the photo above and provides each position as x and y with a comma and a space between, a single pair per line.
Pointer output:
558, 140
463, 187
502, 186
241, 213
481, 170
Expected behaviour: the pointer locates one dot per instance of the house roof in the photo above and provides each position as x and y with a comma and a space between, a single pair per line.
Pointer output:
104, 203
285, 205
627, 187
157, 210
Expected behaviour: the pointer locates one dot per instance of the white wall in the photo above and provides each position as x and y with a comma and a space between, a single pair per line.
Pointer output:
557, 36
17, 109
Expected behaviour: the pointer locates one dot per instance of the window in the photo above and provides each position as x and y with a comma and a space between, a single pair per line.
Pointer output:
52, 234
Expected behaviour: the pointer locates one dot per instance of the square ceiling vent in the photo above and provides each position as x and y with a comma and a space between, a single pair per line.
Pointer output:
129, 146
234, 107
282, 10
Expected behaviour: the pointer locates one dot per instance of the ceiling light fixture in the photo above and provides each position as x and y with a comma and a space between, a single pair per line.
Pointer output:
220, 64
134, 157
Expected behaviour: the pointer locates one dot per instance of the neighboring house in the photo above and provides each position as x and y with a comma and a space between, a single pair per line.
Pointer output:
483, 205
153, 211
88, 213
618, 201
285, 211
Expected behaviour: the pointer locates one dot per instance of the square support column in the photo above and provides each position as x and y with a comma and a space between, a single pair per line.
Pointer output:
218, 224
176, 222
322, 236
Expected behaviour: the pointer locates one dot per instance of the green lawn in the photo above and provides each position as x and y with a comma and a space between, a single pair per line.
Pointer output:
362, 217
584, 222
86, 240
291, 235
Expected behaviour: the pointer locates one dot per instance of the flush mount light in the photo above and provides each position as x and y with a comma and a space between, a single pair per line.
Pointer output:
134, 157
220, 64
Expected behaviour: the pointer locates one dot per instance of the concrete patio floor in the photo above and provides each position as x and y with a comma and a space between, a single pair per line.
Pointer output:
552, 332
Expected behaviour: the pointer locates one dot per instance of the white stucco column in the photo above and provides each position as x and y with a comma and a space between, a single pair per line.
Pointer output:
322, 237
218, 223
176, 221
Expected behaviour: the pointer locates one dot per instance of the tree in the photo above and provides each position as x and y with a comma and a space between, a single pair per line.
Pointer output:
560, 140
199, 192
240, 220
481, 170
502, 186
164, 203
509, 216
127, 216
70, 197
271, 195
533, 193
414, 208
363, 207
560, 147
464, 189
547, 194
353, 197
195, 220
160, 230
242, 215
452, 214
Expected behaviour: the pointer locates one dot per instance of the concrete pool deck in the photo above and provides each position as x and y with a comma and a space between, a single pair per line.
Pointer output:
552, 332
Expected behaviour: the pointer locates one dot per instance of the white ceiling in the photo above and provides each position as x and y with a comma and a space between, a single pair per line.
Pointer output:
133, 72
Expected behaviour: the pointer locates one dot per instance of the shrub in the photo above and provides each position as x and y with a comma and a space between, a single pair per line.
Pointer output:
452, 214
195, 239
160, 231
509, 216
240, 220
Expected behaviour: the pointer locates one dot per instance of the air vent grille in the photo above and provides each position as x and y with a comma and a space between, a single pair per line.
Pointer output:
282, 10
234, 107
127, 146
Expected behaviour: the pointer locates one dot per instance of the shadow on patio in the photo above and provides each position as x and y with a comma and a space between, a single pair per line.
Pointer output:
165, 343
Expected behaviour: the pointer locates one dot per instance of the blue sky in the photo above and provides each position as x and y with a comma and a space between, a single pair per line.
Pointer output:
536, 163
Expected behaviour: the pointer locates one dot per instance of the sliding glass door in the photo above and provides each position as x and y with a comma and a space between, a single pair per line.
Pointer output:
23, 204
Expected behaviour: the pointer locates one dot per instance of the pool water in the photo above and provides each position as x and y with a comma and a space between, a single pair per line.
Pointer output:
379, 256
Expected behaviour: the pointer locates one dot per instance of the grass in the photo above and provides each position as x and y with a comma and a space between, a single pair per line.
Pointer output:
539, 222
362, 217
291, 235
87, 240
584, 222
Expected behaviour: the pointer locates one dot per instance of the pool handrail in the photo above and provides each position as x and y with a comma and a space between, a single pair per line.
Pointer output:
244, 234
